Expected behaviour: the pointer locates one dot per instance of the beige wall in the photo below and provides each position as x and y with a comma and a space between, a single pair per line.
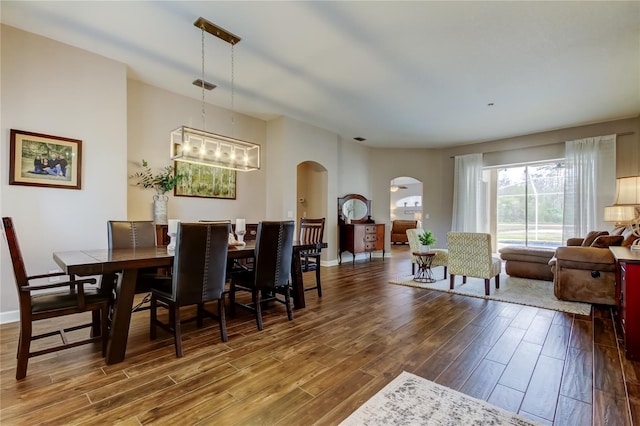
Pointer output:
56, 89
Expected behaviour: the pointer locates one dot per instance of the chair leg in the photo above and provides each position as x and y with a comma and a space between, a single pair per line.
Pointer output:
222, 319
486, 286
23, 349
153, 318
287, 300
104, 313
413, 268
464, 279
498, 281
232, 299
96, 319
451, 279
257, 297
177, 331
318, 279
199, 314
445, 273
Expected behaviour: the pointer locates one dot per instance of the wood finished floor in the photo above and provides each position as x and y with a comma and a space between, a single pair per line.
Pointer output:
556, 368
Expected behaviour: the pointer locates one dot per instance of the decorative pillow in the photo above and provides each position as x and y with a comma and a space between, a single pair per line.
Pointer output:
591, 236
604, 241
628, 241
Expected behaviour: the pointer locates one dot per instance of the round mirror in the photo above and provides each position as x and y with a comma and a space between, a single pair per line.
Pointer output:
354, 209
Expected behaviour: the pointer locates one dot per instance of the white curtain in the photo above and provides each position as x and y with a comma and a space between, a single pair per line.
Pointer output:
469, 195
590, 184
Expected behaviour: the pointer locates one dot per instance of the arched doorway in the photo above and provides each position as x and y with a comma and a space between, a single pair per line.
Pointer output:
405, 194
311, 190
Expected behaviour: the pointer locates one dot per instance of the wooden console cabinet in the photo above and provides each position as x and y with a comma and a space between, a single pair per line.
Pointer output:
628, 298
361, 238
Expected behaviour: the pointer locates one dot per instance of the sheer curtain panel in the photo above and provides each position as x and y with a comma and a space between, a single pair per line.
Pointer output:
589, 184
469, 195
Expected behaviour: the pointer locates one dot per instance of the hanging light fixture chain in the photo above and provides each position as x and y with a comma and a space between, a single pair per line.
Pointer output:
202, 81
233, 88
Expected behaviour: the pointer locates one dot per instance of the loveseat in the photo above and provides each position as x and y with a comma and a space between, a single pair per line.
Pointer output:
399, 230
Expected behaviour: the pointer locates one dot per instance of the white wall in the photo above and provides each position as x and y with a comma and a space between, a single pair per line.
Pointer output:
55, 89
152, 114
289, 143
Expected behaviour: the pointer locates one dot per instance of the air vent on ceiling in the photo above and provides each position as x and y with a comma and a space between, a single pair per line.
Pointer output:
207, 85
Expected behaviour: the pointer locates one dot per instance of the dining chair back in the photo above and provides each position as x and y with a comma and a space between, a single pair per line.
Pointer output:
77, 297
271, 272
199, 276
135, 234
312, 231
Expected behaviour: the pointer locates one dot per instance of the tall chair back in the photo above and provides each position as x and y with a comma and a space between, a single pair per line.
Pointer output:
470, 256
311, 230
274, 248
200, 262
131, 234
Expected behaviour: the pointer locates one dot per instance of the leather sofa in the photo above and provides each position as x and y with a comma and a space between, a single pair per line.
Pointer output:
585, 271
399, 230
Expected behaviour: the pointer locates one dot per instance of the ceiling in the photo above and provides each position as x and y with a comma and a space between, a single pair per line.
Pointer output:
400, 74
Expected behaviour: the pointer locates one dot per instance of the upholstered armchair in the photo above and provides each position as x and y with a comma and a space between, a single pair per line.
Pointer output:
470, 256
440, 259
399, 228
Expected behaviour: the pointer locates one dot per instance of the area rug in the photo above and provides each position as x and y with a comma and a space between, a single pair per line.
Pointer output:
412, 400
522, 291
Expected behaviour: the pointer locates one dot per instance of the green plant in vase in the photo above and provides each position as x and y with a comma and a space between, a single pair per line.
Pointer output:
162, 182
426, 240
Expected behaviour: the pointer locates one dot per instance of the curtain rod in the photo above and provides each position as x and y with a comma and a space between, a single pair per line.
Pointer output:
546, 144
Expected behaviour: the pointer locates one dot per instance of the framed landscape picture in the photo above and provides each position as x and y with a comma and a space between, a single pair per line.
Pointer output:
205, 181
36, 159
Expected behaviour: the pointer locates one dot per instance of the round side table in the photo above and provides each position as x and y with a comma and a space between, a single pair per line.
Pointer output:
423, 260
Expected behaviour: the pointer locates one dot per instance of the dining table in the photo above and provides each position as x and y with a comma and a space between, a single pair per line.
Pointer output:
126, 262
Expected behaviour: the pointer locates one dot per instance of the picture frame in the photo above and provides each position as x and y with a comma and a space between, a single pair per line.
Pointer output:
205, 181
36, 159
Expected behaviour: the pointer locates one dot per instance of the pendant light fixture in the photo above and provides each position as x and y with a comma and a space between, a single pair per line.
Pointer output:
210, 149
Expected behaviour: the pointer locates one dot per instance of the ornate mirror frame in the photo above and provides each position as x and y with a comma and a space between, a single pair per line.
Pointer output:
360, 205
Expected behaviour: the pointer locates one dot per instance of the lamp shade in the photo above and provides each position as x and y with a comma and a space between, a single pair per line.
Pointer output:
628, 191
619, 213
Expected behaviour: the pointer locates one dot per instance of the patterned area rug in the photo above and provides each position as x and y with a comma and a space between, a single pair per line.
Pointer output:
522, 291
412, 400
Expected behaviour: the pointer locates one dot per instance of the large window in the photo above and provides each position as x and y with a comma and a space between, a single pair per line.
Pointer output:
529, 206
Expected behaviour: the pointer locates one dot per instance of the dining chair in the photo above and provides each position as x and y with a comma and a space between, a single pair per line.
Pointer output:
199, 276
312, 231
272, 267
136, 234
36, 306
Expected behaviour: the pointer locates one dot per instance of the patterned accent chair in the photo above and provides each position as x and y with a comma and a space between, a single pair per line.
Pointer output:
440, 259
470, 256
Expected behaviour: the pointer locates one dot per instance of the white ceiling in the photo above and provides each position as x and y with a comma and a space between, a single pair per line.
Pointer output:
400, 74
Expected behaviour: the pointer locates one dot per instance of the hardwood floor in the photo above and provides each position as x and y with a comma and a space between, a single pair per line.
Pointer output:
556, 368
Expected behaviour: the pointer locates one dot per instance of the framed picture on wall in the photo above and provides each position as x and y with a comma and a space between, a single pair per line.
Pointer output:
36, 159
205, 181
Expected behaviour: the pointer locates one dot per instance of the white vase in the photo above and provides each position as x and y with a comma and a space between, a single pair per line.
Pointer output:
424, 249
160, 203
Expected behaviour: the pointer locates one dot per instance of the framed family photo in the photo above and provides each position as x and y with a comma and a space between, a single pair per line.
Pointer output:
205, 181
36, 159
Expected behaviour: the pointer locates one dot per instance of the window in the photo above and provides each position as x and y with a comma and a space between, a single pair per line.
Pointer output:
529, 204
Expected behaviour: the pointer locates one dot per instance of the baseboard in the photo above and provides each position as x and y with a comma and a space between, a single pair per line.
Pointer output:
11, 316
329, 263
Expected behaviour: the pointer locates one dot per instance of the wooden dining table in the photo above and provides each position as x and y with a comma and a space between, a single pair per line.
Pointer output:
128, 261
